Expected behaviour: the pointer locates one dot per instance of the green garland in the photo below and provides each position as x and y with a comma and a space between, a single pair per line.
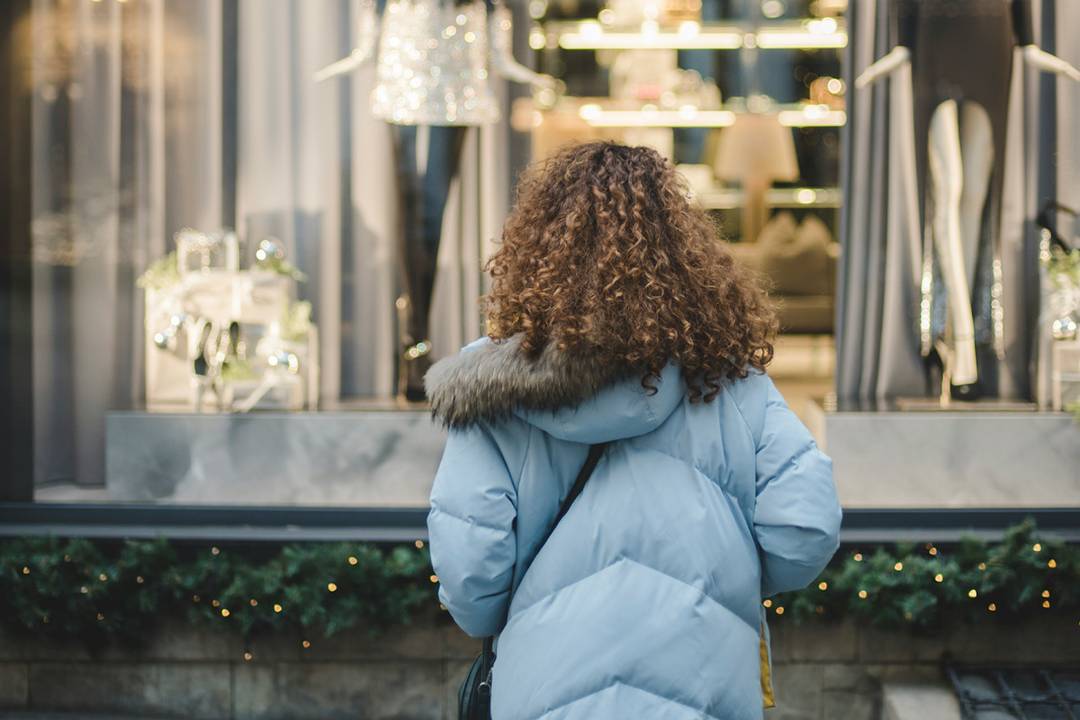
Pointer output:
101, 592
928, 587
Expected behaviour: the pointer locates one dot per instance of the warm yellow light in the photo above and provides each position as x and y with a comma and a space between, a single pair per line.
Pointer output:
419, 544
591, 29
277, 608
215, 603
1046, 604
779, 609
1052, 563
812, 116
689, 28
434, 578
591, 35
863, 594
306, 644
102, 577
100, 617
215, 550
353, 560
1037, 547
898, 566
1046, 593
972, 593
814, 36
253, 602
767, 603
932, 551
651, 116
332, 587
823, 585
858, 557
982, 566
824, 26
139, 579
25, 570
992, 607
939, 578
248, 656
225, 612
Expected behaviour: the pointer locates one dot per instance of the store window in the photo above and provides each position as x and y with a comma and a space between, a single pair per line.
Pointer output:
748, 98
247, 242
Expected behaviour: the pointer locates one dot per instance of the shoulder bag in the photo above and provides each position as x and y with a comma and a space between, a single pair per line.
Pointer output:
474, 697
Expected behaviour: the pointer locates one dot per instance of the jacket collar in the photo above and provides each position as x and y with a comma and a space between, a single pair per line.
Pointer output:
488, 380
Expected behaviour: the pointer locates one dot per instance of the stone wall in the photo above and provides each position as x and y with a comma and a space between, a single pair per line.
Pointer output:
828, 672
822, 671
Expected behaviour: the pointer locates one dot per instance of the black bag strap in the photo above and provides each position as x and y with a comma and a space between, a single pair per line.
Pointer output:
595, 452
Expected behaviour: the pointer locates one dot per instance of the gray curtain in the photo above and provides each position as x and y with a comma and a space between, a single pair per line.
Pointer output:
878, 305
155, 115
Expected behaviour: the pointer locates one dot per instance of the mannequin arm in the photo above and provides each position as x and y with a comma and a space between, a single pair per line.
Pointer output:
502, 52
365, 45
1039, 58
884, 66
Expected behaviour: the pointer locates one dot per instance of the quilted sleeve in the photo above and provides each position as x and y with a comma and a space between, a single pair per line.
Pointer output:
471, 531
797, 515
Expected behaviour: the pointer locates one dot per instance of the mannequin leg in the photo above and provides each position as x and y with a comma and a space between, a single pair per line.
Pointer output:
977, 148
946, 174
427, 162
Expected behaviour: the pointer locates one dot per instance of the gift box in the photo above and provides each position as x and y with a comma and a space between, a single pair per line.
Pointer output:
224, 339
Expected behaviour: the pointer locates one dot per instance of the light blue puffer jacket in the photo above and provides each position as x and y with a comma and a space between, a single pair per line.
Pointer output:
645, 602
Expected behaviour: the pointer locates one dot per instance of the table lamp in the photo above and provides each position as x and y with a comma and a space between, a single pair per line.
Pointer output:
755, 152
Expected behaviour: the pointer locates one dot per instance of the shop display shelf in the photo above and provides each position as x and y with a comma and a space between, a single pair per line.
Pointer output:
604, 113
723, 198
810, 34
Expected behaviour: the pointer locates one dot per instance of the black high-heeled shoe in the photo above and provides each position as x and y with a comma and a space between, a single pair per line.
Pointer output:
938, 360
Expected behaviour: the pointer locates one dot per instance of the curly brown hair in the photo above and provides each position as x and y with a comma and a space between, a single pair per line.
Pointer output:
604, 252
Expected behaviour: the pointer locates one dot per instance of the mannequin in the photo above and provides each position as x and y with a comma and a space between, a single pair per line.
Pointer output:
432, 59
960, 55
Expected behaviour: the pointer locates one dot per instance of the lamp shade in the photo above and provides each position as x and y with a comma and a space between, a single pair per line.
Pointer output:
757, 146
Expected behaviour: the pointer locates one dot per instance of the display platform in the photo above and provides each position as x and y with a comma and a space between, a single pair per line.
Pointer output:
380, 456
992, 458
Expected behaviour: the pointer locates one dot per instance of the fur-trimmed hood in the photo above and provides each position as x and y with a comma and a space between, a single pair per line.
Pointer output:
571, 396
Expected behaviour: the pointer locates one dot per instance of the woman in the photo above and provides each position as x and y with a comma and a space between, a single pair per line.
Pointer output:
616, 316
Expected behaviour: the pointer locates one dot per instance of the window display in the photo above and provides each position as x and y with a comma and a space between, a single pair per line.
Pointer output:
255, 224
432, 81
958, 126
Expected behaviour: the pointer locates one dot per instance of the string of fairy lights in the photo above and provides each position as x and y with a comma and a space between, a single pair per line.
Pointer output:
1018, 574
80, 589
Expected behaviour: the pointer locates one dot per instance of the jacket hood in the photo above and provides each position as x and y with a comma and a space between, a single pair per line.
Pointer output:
570, 396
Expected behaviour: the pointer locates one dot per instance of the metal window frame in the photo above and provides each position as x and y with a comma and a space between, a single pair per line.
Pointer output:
396, 524
1011, 699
